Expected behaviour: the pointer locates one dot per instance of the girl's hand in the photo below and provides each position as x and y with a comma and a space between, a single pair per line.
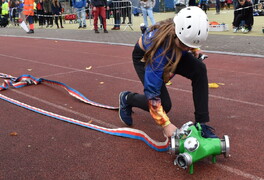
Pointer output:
169, 130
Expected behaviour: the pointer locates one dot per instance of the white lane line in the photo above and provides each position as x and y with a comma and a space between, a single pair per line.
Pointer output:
127, 44
88, 118
131, 80
226, 168
239, 172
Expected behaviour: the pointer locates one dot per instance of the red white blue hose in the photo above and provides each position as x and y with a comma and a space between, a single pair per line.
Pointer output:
24, 80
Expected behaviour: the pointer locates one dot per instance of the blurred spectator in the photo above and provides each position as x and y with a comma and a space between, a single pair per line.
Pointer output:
217, 6
116, 6
48, 12
243, 16
28, 11
126, 11
235, 3
57, 11
14, 13
0, 7
80, 5
180, 4
40, 13
228, 3
147, 11
99, 8
203, 5
192, 3
5, 9
222, 4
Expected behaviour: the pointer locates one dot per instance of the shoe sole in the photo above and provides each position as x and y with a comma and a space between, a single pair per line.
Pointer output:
119, 111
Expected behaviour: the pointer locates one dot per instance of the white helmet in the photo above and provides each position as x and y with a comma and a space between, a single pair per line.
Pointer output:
191, 26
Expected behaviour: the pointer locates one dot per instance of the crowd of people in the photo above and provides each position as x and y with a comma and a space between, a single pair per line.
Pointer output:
45, 12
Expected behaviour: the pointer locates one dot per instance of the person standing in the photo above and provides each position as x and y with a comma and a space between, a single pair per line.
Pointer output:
40, 13
217, 6
203, 4
5, 9
80, 5
147, 11
180, 4
126, 11
99, 8
116, 9
57, 11
48, 12
28, 11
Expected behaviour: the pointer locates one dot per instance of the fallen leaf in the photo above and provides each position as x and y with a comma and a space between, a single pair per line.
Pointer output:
88, 68
101, 82
169, 83
213, 85
13, 134
221, 84
90, 121
29, 69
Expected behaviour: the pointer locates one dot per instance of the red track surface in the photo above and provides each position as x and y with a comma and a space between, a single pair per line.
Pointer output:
46, 148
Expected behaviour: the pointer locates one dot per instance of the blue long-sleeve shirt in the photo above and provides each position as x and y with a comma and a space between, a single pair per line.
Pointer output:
79, 3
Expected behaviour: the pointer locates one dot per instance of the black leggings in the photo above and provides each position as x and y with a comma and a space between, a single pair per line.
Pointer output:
189, 67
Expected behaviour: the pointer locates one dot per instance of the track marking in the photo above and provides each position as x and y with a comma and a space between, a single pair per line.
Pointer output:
131, 80
239, 172
65, 109
226, 168
131, 45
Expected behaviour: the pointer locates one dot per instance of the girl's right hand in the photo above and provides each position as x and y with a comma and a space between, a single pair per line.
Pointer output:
169, 130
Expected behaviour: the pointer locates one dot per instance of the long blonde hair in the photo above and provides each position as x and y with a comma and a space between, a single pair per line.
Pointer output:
165, 38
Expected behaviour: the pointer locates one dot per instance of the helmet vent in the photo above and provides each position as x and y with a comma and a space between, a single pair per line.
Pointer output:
189, 27
188, 16
199, 32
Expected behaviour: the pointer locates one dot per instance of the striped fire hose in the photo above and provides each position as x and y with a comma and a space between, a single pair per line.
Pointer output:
25, 80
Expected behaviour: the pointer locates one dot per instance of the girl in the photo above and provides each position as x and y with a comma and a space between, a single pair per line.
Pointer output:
168, 48
57, 11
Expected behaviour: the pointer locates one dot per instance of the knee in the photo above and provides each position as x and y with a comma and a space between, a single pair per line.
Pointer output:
200, 69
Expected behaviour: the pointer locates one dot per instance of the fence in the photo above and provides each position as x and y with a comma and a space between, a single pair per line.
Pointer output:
118, 11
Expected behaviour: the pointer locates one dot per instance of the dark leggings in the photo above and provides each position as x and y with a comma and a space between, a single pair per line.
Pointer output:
188, 67
56, 20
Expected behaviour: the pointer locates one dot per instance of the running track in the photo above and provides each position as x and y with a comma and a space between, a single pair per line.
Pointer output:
45, 148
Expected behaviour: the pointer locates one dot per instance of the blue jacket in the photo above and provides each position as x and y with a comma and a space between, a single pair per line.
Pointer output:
79, 3
153, 79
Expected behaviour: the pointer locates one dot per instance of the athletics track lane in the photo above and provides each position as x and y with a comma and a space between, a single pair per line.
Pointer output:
45, 148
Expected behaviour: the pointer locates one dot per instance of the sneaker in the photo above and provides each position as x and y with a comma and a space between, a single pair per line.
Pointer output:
207, 131
79, 27
125, 110
31, 31
105, 31
235, 30
245, 30
84, 26
96, 31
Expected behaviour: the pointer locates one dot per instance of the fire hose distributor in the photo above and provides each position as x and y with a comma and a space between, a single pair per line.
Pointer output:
189, 146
